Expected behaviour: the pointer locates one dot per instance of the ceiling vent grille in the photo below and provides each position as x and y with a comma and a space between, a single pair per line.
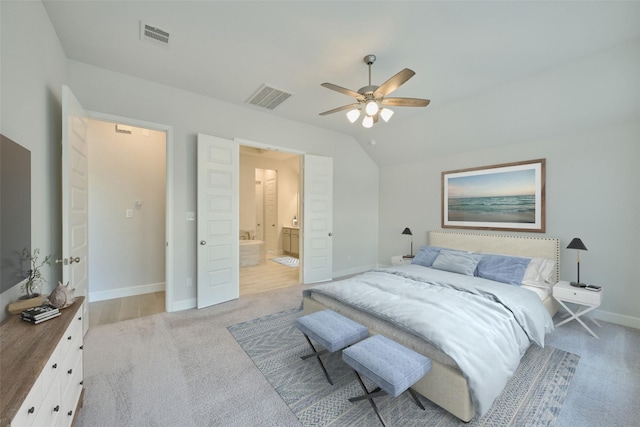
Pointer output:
268, 97
154, 34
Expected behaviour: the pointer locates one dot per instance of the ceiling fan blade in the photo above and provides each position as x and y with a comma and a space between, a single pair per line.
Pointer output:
344, 107
394, 83
405, 102
343, 90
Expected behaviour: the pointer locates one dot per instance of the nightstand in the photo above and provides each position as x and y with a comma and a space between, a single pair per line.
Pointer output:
563, 292
400, 260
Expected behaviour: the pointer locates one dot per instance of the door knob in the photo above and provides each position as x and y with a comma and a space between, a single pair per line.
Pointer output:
203, 242
72, 259
63, 261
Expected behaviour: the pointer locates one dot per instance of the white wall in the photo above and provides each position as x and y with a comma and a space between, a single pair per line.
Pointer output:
32, 70
126, 255
355, 205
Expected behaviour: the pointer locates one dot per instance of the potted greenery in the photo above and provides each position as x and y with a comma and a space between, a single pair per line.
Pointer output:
34, 276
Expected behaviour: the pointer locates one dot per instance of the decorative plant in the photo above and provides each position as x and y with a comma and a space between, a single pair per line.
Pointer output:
34, 275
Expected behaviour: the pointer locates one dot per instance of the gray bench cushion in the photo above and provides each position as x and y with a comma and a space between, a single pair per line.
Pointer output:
332, 330
393, 367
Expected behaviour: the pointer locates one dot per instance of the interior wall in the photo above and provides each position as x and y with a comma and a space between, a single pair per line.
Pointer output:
592, 192
126, 254
33, 69
355, 206
288, 190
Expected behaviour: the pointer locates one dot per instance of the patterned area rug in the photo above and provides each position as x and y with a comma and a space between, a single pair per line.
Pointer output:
533, 396
286, 260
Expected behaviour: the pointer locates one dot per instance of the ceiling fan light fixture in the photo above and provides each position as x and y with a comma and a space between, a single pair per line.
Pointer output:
367, 122
353, 115
386, 114
371, 108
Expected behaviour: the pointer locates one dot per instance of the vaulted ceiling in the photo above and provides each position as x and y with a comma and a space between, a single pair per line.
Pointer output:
459, 51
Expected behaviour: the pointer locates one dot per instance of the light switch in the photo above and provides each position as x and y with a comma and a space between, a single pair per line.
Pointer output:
129, 213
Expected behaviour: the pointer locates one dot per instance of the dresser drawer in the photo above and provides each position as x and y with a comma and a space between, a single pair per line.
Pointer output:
28, 411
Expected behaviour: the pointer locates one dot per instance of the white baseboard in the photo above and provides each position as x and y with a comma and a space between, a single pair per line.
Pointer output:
126, 292
184, 304
618, 319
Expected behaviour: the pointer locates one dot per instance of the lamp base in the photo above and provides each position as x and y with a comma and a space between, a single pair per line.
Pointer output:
578, 284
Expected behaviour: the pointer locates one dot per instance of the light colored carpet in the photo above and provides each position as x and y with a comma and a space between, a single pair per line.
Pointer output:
286, 260
534, 395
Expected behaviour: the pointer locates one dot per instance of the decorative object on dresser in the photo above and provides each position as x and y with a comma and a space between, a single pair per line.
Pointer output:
62, 296
584, 298
33, 275
408, 232
577, 244
46, 369
40, 314
509, 196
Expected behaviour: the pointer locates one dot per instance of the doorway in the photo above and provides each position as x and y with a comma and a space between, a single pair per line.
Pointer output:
128, 218
269, 194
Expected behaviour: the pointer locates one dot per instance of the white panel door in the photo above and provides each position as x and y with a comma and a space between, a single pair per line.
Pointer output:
318, 219
75, 246
271, 209
218, 222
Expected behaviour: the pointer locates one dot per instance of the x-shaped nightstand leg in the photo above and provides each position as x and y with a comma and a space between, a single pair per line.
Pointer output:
576, 316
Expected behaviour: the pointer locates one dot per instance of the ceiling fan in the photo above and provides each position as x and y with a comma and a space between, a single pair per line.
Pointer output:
373, 99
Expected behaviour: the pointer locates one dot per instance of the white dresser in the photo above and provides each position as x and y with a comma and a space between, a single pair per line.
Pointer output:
42, 370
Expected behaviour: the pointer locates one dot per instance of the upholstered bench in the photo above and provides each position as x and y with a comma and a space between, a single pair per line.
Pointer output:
391, 366
332, 330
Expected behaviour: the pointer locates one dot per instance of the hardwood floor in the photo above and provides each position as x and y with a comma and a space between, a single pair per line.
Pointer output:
261, 278
267, 276
118, 309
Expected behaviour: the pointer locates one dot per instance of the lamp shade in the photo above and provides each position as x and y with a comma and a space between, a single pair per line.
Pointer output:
407, 231
353, 115
577, 244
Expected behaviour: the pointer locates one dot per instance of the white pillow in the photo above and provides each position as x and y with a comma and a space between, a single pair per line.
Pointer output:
539, 272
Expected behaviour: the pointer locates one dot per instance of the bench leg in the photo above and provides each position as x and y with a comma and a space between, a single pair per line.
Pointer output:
369, 395
415, 397
317, 355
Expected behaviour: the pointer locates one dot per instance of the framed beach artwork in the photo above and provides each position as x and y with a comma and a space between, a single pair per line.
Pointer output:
509, 197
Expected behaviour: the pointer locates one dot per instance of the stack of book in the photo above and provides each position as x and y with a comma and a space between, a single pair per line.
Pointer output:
39, 314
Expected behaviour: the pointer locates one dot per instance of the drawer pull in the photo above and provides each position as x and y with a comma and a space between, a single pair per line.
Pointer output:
81, 347
70, 413
69, 337
55, 366
80, 318
81, 382
56, 409
70, 371
32, 410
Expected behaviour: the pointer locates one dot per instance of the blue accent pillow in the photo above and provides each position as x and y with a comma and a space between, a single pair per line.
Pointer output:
457, 262
426, 255
503, 268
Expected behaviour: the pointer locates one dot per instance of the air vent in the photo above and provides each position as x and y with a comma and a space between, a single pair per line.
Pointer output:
154, 34
268, 97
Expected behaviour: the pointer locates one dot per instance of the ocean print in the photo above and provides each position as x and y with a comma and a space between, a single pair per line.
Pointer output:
493, 197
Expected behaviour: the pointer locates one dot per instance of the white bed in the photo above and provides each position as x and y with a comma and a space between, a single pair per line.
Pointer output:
445, 384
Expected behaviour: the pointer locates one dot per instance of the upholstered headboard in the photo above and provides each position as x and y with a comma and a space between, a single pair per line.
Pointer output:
544, 247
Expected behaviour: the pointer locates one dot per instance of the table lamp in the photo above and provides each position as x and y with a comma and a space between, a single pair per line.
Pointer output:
577, 244
408, 232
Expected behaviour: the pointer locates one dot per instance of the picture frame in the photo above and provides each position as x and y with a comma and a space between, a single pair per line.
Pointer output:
508, 197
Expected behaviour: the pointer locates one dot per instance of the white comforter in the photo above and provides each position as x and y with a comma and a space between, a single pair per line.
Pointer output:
484, 326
